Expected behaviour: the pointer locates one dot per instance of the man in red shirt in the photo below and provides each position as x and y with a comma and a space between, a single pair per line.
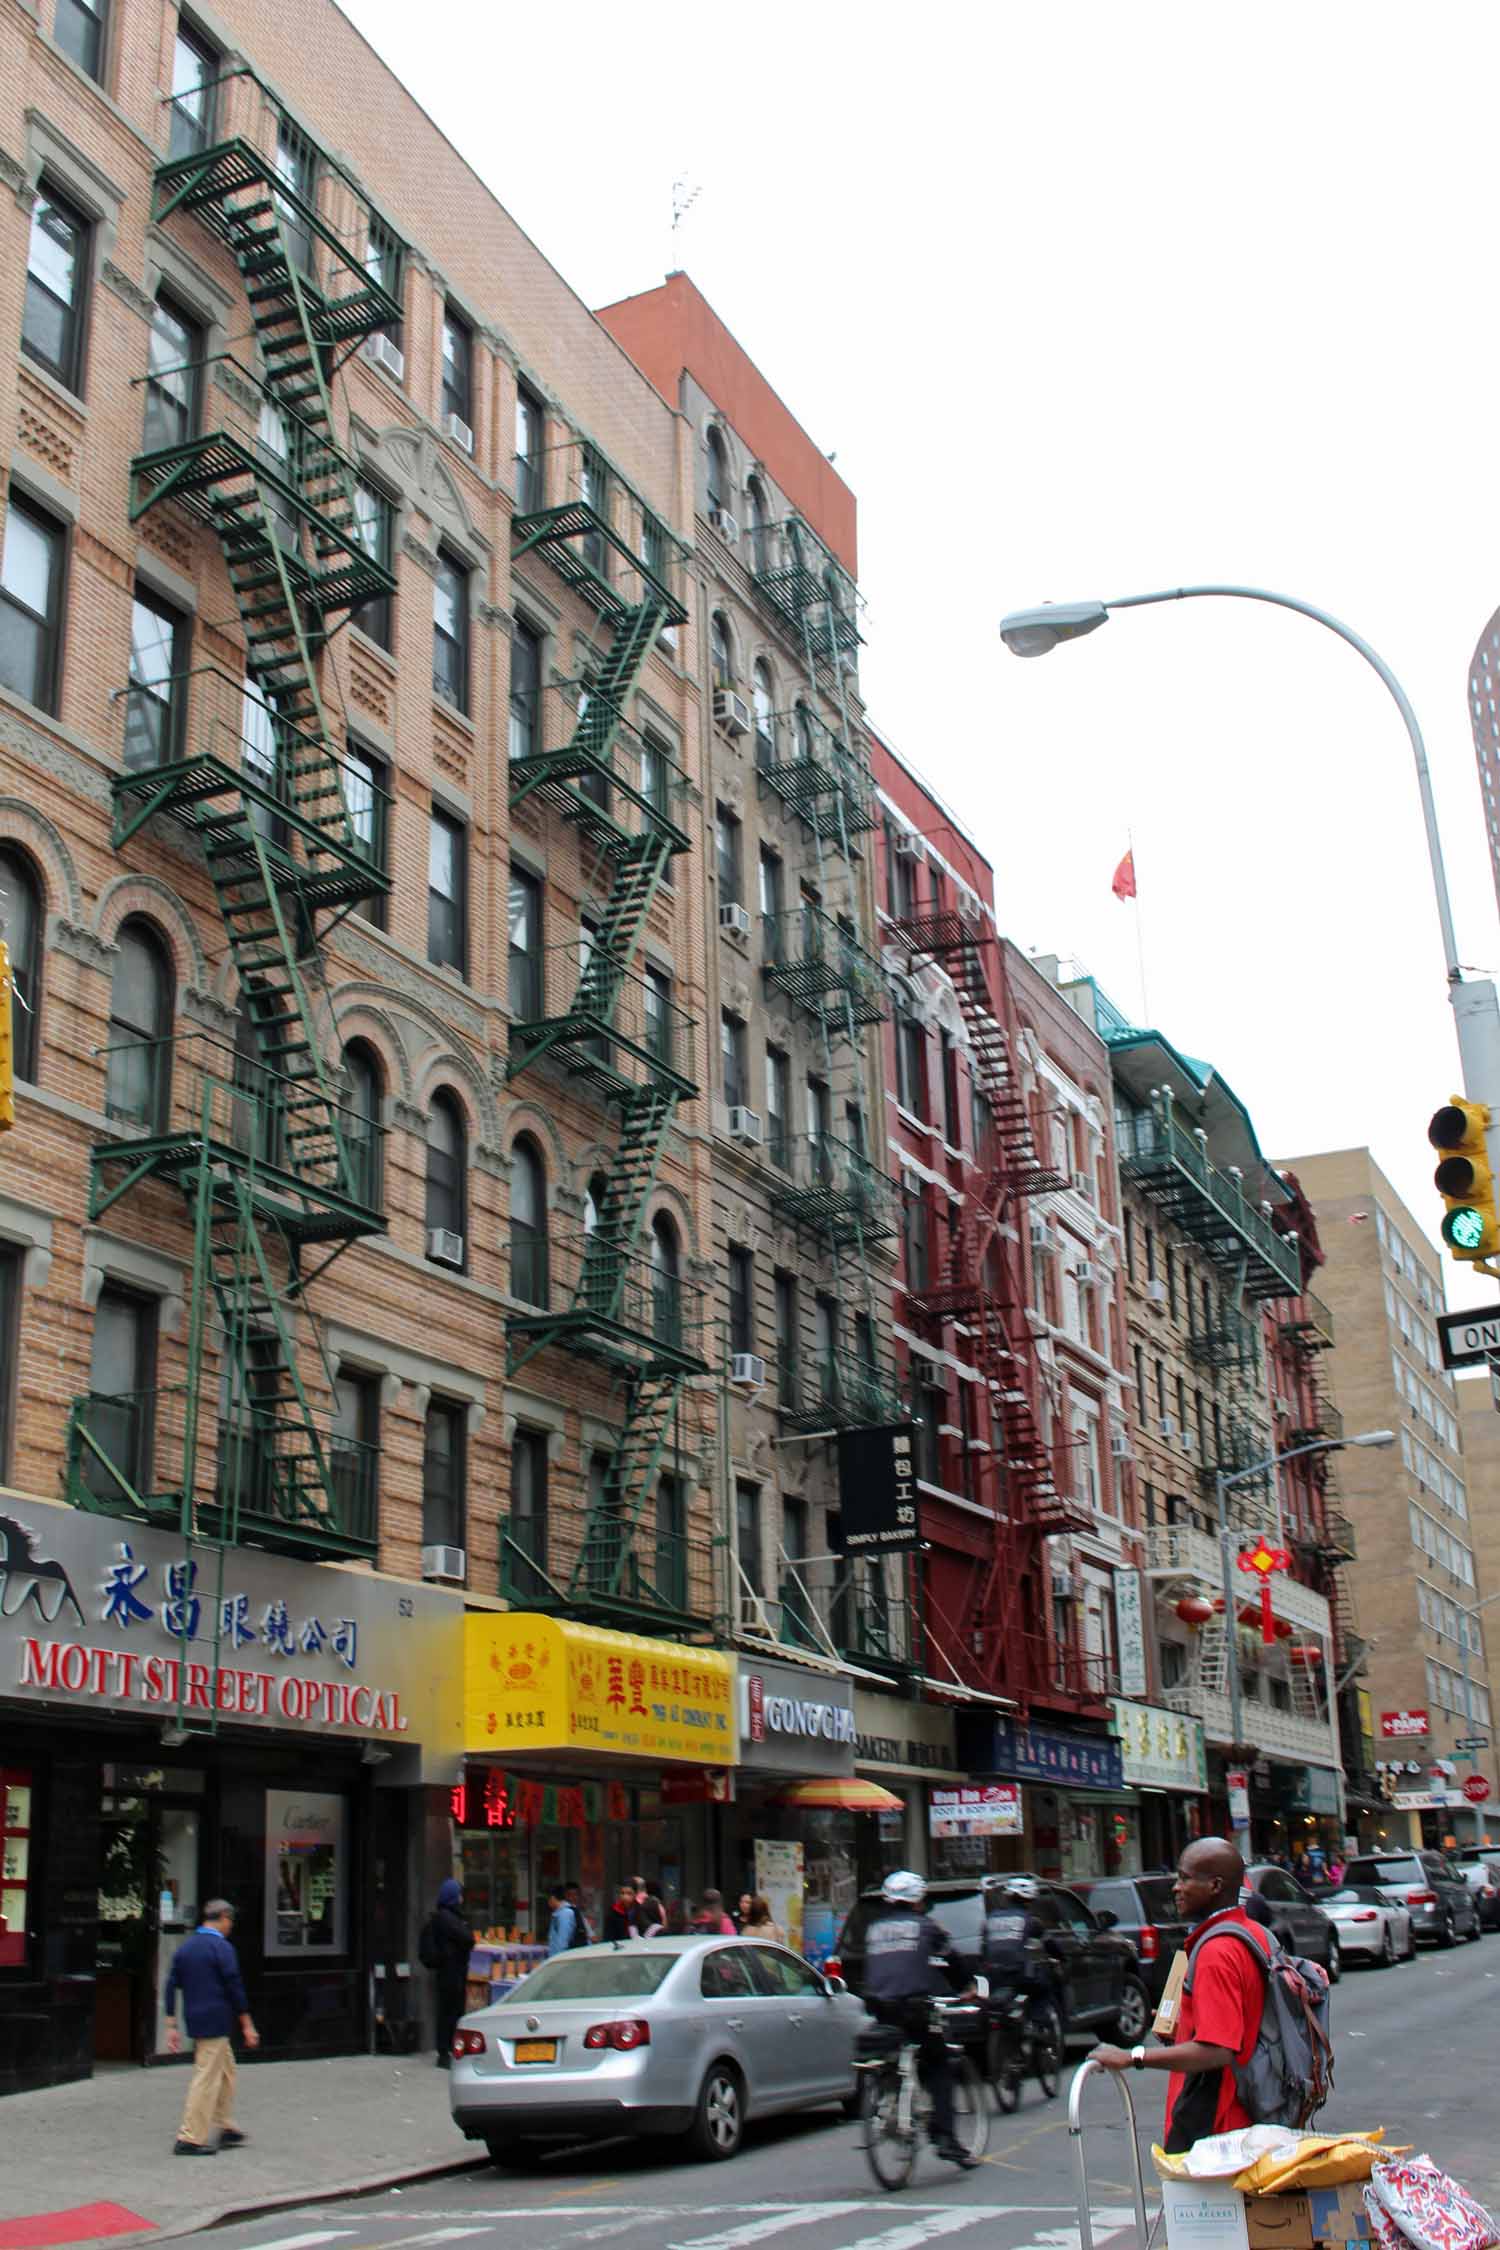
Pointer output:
1220, 2017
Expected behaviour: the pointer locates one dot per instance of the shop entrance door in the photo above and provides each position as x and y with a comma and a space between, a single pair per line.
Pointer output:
149, 1897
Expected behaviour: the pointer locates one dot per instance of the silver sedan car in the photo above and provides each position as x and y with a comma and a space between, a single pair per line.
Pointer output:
1371, 1927
654, 2035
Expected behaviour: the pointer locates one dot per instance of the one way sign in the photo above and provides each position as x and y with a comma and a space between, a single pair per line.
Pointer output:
1467, 1339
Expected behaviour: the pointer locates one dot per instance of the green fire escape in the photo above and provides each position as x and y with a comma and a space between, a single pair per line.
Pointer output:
277, 1173
613, 1030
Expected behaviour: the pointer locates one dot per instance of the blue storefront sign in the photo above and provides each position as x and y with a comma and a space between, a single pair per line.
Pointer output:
1049, 1754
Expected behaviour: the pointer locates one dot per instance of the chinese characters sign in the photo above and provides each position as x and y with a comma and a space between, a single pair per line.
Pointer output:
1158, 1749
986, 1811
539, 1683
1079, 1761
878, 1490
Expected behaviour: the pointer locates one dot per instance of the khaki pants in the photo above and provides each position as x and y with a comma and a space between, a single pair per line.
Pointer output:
210, 2096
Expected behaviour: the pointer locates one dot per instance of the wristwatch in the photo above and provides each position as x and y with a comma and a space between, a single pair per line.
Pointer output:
1137, 2058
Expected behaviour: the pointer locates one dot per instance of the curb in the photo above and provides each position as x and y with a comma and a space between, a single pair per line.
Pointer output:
291, 2199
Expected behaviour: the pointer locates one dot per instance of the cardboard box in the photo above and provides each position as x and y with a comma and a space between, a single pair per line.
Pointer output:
1279, 2222
1204, 2215
1340, 2214
1169, 2007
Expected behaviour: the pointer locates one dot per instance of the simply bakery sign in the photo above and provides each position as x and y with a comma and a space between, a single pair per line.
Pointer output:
113, 1617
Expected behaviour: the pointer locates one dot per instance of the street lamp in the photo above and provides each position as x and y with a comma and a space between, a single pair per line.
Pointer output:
1223, 1486
1035, 632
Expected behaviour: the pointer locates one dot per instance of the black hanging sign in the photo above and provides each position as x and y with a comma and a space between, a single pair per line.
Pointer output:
878, 1490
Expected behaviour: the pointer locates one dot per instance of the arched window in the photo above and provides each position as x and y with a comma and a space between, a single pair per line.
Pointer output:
594, 1200
138, 1067
763, 697
446, 1181
721, 649
807, 734
21, 928
360, 1096
666, 1282
528, 1223
760, 526
718, 474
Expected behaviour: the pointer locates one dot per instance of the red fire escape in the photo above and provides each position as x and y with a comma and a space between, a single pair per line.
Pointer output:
1003, 1642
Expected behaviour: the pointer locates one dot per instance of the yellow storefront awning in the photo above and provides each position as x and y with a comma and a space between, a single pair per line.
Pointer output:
545, 1683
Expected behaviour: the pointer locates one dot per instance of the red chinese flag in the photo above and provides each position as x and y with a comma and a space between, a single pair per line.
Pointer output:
1123, 885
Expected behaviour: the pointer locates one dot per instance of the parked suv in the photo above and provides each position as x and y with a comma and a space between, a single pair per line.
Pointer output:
1479, 1865
1443, 1907
1100, 1972
1145, 1911
1301, 1926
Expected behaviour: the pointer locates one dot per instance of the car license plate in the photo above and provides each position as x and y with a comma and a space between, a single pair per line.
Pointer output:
536, 2050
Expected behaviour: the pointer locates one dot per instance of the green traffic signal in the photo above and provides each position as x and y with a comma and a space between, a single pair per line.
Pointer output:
1471, 1226
1463, 1229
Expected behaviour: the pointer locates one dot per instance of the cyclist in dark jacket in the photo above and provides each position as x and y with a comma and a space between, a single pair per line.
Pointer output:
1016, 1948
908, 1964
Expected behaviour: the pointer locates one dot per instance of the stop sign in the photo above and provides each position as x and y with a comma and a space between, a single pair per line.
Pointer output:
1476, 1788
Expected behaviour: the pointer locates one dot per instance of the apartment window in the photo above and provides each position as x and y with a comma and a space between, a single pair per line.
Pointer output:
656, 775
656, 1014
173, 351
772, 900
529, 1262
1139, 1359
951, 1125
593, 488
367, 796
932, 1405
138, 1063
718, 473
195, 67
816, 1110
905, 875
732, 1055
915, 1233
530, 424
444, 1477
721, 650
911, 1063
671, 1543
741, 1299
784, 1299
79, 28
122, 1381
526, 1000
447, 1163
525, 691
825, 1340
31, 584
765, 720
56, 265
1129, 1247
747, 1536
776, 1101
1150, 1253
458, 368
360, 1099
297, 166
11, 1260
373, 518
447, 889
450, 633
527, 1524
158, 664
1171, 1279
666, 1281
383, 263
760, 524
273, 444
354, 1449
727, 852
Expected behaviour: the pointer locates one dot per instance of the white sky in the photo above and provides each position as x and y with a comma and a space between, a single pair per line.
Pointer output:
1088, 300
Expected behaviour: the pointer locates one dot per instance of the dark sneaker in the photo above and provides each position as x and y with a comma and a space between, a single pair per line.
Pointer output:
230, 2136
192, 2148
953, 2152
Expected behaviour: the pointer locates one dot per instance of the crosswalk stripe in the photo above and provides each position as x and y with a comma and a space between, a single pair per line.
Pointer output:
306, 2241
918, 2231
779, 2222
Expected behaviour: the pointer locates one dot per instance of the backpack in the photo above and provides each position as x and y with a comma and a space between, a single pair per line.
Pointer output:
427, 1949
581, 1934
1289, 2075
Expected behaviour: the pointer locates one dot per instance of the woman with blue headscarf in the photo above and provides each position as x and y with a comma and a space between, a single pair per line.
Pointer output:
447, 1942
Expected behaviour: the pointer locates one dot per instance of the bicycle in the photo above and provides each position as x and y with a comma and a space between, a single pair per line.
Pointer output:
1022, 2043
896, 2108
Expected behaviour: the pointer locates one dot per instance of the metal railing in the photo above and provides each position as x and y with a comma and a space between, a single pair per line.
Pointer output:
815, 771
869, 1623
812, 594
1230, 1342
833, 1188
815, 961
572, 747
617, 1303
576, 1563
600, 534
1154, 1146
605, 1023
846, 1391
1309, 1323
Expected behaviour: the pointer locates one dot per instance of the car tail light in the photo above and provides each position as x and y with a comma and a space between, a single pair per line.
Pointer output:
468, 2042
1421, 1898
1148, 1944
628, 2033
1366, 1914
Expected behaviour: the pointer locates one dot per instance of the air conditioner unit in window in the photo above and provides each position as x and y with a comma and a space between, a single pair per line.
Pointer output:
386, 354
748, 1368
1156, 1294
731, 711
1168, 1427
1041, 1235
753, 1617
733, 916
968, 906
909, 845
1086, 1273
745, 1125
724, 524
445, 1562
1119, 1445
1083, 1183
458, 429
444, 1247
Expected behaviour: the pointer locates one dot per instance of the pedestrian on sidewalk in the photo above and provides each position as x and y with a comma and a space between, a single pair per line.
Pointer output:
444, 1948
562, 1925
760, 1922
206, 1972
710, 1919
619, 1915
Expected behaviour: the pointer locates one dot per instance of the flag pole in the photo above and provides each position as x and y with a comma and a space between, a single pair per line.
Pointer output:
1140, 935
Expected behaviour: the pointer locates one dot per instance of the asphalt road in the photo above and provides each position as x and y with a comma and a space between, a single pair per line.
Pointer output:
1415, 2051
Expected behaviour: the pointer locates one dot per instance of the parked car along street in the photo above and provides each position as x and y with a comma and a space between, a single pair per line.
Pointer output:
1301, 1926
1479, 1865
1100, 1973
1370, 1925
1145, 1911
656, 2036
1442, 1905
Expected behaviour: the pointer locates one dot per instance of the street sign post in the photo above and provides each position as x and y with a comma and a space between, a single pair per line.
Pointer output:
1468, 1338
1473, 1742
1476, 1788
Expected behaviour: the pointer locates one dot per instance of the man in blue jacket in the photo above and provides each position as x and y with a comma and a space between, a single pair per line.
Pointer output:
206, 1972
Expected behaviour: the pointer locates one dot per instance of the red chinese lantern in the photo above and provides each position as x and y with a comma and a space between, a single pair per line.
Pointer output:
1248, 1613
1284, 1628
1306, 1654
1195, 1609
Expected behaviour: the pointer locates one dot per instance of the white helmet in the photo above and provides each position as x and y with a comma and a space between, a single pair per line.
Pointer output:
1020, 1886
903, 1888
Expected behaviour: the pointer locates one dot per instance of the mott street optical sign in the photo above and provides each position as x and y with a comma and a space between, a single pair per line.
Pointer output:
1468, 1338
877, 1490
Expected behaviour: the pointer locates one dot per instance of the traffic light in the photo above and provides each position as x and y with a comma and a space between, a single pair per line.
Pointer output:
1471, 1228
7, 1047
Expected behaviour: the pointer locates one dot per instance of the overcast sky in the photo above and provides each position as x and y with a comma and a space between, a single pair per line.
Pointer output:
1087, 300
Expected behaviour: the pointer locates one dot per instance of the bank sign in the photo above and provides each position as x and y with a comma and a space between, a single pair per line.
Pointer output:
796, 1722
103, 1615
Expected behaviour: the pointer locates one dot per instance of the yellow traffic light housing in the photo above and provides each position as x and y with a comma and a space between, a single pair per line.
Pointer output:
7, 1042
1471, 1228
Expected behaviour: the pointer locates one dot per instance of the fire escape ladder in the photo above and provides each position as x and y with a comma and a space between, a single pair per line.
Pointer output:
612, 1566
274, 1460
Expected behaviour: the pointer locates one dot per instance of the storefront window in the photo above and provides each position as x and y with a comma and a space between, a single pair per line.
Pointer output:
15, 1862
307, 1874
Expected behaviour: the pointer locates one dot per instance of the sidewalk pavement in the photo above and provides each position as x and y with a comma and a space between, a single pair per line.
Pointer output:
315, 2129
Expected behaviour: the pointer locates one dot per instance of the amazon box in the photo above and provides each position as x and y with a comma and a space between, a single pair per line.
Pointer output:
1279, 2222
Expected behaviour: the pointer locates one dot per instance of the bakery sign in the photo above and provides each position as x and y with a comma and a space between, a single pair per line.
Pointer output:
795, 1720
100, 1614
